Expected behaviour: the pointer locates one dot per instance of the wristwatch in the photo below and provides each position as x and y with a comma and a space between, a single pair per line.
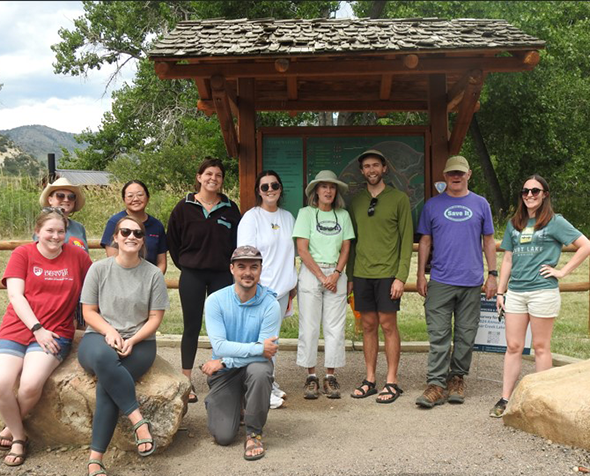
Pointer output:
493, 272
36, 327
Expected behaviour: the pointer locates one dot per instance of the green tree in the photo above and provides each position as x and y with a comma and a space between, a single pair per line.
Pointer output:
151, 119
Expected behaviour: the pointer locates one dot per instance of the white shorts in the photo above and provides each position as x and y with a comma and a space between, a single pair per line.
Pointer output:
541, 303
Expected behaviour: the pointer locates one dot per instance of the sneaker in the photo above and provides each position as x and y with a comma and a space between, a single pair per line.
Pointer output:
275, 402
499, 408
331, 387
433, 395
312, 388
277, 392
456, 389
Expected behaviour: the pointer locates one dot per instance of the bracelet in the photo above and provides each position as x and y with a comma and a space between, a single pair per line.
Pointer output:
36, 327
499, 294
338, 271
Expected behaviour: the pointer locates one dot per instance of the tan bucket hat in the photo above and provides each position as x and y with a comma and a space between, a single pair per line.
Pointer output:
326, 176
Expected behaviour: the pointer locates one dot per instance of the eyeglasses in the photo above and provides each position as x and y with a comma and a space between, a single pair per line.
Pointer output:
125, 232
57, 210
62, 196
265, 187
535, 191
372, 205
131, 196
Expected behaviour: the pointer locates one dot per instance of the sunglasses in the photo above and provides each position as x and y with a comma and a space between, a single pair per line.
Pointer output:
125, 232
535, 191
62, 196
57, 210
265, 187
372, 205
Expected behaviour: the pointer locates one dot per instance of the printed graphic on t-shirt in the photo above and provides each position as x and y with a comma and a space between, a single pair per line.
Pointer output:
532, 241
76, 242
52, 274
274, 226
527, 235
328, 227
458, 213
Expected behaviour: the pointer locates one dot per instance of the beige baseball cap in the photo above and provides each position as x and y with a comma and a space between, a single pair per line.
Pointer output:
457, 162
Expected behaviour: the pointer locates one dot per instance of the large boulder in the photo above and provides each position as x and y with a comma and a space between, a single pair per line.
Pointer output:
554, 404
64, 414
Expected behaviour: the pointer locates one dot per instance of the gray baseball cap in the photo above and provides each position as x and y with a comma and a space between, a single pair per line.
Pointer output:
246, 252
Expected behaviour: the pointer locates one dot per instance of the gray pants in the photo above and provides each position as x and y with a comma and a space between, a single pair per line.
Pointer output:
442, 301
232, 389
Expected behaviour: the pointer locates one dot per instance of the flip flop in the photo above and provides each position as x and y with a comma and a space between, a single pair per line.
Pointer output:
394, 395
365, 393
20, 457
257, 443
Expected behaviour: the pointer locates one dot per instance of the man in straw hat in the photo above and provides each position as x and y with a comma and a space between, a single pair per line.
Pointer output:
452, 224
70, 198
378, 267
243, 323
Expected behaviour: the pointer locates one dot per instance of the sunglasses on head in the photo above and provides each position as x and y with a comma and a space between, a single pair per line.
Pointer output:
265, 187
125, 232
372, 205
57, 210
62, 196
535, 191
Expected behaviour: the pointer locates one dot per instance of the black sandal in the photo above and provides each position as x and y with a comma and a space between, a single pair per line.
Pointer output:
192, 395
394, 395
365, 393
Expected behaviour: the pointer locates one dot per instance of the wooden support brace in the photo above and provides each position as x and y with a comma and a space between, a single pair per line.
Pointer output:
385, 88
528, 58
466, 110
247, 148
204, 90
292, 88
206, 107
226, 120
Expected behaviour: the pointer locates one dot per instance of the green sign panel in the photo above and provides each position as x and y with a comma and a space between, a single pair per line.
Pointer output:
405, 164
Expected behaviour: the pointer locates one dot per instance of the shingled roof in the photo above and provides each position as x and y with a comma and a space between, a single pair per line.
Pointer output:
246, 37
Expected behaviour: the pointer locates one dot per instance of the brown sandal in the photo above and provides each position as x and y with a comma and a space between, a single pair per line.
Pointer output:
19, 457
256, 443
8, 446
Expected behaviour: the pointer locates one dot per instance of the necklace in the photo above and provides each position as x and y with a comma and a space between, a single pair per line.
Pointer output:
208, 203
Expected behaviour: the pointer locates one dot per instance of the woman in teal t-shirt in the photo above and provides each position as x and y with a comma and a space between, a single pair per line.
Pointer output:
323, 230
532, 243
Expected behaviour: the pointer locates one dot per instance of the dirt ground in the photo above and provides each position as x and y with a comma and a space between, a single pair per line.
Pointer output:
346, 436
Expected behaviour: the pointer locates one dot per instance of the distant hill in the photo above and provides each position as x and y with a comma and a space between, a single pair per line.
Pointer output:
39, 141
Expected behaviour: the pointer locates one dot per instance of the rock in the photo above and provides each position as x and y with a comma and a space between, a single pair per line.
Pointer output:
64, 414
554, 404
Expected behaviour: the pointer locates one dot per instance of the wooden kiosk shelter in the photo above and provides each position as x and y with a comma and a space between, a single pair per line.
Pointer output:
428, 65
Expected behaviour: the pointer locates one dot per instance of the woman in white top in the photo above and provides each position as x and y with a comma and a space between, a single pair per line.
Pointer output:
269, 228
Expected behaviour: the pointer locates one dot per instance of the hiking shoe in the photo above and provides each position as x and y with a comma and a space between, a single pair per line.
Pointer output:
499, 408
433, 395
331, 387
456, 389
312, 388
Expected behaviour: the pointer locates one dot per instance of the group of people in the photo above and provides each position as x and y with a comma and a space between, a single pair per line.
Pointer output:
240, 272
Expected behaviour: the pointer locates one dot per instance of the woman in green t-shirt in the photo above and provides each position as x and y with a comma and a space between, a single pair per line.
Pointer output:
533, 241
323, 231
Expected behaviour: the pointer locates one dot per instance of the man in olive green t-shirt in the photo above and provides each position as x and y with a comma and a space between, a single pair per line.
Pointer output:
377, 269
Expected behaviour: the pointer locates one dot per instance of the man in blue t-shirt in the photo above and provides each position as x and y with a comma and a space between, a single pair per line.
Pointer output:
452, 225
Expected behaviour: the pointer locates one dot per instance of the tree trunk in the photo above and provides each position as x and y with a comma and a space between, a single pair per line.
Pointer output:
498, 203
377, 8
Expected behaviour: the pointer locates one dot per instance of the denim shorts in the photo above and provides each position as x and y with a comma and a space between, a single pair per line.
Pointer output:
19, 350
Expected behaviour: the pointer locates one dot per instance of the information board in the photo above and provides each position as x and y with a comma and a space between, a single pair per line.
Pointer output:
298, 159
491, 334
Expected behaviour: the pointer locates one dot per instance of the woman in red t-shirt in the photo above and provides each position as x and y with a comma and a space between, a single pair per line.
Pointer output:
44, 280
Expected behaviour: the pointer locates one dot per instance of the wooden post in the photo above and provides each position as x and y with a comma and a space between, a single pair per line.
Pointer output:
439, 126
247, 142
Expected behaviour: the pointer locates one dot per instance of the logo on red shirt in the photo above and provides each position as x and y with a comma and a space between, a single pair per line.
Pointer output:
37, 271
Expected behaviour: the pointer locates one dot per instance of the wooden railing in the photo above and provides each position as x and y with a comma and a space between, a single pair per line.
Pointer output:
409, 287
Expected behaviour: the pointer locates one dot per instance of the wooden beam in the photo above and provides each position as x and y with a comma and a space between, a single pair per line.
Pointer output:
247, 146
385, 87
226, 120
202, 87
411, 61
466, 110
530, 58
455, 95
334, 105
292, 88
167, 70
439, 124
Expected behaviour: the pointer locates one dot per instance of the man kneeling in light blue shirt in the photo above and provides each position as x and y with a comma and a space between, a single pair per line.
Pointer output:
243, 322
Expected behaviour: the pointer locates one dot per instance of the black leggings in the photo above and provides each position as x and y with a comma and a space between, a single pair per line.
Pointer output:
194, 286
115, 386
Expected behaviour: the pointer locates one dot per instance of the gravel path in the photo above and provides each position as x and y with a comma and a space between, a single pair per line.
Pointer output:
346, 436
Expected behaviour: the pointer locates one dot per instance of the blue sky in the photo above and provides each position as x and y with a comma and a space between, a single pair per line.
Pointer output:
31, 92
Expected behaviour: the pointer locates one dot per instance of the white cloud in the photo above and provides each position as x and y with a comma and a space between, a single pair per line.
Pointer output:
32, 93
68, 115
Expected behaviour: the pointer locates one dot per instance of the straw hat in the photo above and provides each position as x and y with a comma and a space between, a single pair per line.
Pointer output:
63, 183
326, 176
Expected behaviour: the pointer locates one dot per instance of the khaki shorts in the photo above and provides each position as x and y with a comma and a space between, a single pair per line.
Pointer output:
541, 303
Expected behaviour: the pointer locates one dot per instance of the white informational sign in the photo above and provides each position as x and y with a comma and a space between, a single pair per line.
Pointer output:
491, 335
